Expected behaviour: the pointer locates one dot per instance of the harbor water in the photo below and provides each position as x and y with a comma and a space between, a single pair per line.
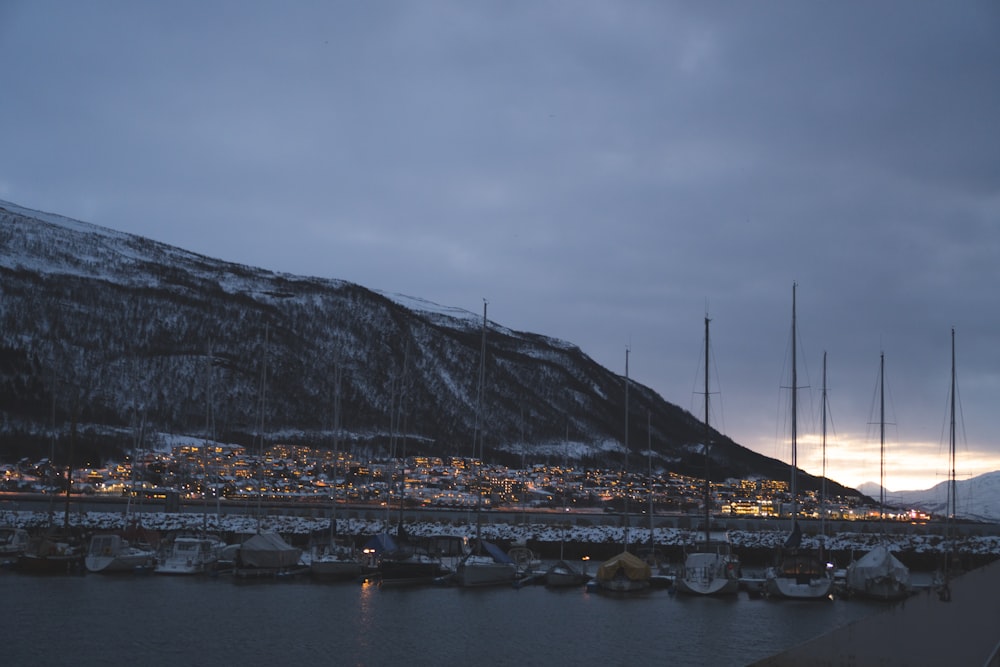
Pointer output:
160, 620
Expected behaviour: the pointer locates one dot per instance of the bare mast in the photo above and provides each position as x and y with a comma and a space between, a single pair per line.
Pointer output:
708, 437
951, 438
881, 436
822, 491
625, 465
478, 437
795, 459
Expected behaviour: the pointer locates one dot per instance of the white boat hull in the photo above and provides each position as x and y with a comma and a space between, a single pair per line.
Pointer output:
797, 587
110, 553
694, 585
477, 571
189, 555
708, 574
878, 575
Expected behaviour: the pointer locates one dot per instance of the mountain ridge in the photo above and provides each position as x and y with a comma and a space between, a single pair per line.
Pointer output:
977, 498
109, 331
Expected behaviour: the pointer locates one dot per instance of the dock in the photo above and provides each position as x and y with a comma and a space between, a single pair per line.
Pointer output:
925, 629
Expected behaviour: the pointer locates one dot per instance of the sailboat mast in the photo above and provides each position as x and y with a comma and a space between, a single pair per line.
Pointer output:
625, 464
478, 433
708, 435
881, 432
649, 474
261, 424
209, 435
336, 449
795, 459
822, 491
951, 436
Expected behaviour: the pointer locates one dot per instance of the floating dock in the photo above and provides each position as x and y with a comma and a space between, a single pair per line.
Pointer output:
925, 629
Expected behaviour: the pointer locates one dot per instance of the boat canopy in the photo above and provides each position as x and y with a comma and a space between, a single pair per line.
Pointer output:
877, 563
496, 553
634, 567
268, 550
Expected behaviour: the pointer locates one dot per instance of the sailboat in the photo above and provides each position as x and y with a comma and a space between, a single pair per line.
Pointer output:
334, 559
195, 553
266, 553
625, 572
878, 574
562, 573
942, 579
109, 553
486, 564
799, 574
711, 568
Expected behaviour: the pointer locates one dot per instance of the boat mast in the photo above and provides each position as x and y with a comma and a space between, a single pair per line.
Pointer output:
204, 447
795, 461
649, 474
953, 506
708, 435
822, 491
478, 436
625, 465
881, 426
260, 428
336, 449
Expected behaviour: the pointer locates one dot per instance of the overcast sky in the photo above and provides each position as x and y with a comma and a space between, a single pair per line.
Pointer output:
601, 172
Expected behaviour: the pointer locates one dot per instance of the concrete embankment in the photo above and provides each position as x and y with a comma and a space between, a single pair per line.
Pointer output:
923, 630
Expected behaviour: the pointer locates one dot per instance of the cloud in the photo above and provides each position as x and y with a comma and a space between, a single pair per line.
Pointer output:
603, 173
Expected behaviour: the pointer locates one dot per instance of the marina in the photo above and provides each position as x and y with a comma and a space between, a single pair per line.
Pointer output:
276, 609
297, 620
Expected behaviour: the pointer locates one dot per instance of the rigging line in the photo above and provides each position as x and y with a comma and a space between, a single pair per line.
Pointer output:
718, 383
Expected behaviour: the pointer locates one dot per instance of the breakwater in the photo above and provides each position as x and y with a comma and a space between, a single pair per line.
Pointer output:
577, 535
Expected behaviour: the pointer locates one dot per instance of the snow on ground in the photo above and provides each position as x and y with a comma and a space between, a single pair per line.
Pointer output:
497, 532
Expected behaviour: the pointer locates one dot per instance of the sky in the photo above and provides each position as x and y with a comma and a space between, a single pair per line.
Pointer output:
606, 173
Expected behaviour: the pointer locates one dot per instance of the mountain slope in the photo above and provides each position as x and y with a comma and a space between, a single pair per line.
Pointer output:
977, 498
108, 331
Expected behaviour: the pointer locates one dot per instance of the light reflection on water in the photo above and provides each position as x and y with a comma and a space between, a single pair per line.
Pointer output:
155, 620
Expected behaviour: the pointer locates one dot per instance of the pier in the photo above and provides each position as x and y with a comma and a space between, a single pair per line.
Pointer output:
924, 629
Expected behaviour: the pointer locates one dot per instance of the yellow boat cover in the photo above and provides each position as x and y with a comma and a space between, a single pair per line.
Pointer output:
634, 567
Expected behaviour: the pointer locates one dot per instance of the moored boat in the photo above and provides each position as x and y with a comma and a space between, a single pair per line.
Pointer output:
189, 554
563, 575
624, 573
487, 565
878, 574
111, 553
55, 553
799, 574
335, 560
710, 568
13, 542
267, 554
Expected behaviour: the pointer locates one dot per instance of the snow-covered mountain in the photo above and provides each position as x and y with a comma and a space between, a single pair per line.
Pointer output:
977, 498
103, 331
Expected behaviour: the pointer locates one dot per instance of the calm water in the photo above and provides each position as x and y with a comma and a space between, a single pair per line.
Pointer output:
156, 620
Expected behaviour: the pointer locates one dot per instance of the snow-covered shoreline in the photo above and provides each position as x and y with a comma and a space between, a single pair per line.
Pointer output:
301, 527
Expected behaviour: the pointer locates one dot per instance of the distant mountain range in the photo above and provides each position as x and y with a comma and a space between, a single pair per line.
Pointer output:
106, 335
977, 498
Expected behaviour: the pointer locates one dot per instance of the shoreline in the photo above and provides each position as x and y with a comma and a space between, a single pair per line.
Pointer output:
544, 534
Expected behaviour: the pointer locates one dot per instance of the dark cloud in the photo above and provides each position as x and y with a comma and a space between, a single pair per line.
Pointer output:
603, 172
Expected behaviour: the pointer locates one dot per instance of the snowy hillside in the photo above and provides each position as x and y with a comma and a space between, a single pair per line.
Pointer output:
106, 331
977, 498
